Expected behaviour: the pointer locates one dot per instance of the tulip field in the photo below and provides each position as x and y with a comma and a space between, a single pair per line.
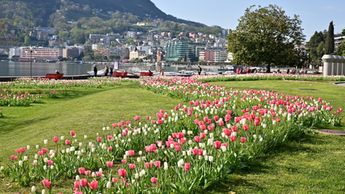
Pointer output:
186, 149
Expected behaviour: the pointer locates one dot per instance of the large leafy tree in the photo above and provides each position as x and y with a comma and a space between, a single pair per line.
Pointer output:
329, 44
265, 36
316, 46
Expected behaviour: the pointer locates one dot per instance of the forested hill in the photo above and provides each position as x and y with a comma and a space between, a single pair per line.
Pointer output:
43, 12
75, 19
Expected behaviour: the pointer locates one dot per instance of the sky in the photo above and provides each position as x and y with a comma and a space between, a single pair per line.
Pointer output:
315, 14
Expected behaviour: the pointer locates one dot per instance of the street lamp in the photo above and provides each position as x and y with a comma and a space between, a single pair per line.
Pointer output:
31, 50
31, 62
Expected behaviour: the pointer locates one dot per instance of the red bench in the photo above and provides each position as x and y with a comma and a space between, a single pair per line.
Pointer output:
120, 74
148, 73
54, 76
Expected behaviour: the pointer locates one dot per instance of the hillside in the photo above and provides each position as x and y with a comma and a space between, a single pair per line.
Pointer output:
74, 19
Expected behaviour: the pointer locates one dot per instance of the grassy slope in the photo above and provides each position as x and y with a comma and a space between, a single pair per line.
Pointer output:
86, 114
312, 164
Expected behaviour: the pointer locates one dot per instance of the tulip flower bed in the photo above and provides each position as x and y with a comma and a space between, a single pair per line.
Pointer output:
26, 83
253, 77
20, 98
183, 150
24, 92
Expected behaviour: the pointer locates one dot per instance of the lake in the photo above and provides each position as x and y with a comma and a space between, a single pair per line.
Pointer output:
9, 68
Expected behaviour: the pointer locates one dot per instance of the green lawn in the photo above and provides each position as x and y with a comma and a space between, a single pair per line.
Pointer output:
312, 164
86, 113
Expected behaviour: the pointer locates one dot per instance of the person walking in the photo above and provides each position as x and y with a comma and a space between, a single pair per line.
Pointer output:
95, 69
106, 71
199, 70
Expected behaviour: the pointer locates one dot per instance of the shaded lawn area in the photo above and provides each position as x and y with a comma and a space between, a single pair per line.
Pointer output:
86, 114
311, 164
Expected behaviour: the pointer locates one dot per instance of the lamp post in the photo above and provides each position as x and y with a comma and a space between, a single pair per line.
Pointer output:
27, 52
31, 62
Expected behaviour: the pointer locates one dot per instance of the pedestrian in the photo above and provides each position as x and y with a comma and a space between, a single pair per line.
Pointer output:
106, 71
95, 69
111, 70
199, 70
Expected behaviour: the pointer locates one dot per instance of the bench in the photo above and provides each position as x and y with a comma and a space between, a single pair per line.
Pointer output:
146, 73
121, 74
54, 76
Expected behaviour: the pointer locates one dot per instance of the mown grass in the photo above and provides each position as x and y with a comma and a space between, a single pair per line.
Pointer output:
86, 111
311, 164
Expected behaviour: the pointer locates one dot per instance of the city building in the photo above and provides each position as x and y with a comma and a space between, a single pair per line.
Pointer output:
338, 39
14, 53
180, 50
71, 53
214, 55
40, 54
136, 54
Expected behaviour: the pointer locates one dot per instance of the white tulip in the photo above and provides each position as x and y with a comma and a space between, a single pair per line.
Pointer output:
33, 189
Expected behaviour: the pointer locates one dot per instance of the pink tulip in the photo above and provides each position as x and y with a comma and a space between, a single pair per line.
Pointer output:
21, 150
76, 185
245, 127
68, 142
73, 133
122, 172
217, 144
157, 163
55, 139
93, 185
83, 182
186, 166
46, 183
82, 171
154, 180
197, 139
99, 139
131, 153
14, 157
110, 164
243, 139
131, 166
50, 162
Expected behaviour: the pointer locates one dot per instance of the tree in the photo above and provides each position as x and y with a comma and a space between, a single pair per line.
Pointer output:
329, 44
316, 47
341, 49
26, 40
265, 36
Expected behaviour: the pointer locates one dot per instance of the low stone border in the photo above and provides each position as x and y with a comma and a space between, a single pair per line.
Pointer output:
332, 132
